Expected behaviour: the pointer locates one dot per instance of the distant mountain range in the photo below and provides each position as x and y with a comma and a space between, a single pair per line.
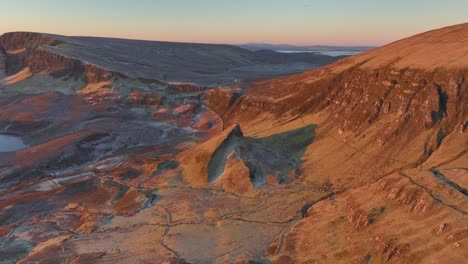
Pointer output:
318, 48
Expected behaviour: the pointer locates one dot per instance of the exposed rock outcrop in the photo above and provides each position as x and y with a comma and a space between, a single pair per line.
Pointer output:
185, 87
145, 98
206, 162
24, 49
236, 177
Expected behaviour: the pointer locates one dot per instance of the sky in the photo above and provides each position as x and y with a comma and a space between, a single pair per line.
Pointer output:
297, 22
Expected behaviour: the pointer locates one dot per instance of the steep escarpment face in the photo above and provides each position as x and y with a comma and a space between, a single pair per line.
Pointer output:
133, 154
398, 117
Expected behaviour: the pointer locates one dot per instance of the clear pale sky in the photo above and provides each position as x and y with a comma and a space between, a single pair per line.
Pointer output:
327, 22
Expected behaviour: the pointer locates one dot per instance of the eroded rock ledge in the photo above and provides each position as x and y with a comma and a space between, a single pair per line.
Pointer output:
30, 50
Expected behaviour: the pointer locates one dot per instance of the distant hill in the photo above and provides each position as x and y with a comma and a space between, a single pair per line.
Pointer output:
200, 64
317, 48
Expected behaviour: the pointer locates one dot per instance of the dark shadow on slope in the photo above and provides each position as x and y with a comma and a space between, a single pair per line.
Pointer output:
444, 179
218, 158
12, 250
443, 99
279, 154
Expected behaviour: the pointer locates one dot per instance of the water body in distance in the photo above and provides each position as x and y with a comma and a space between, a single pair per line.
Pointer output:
329, 53
11, 143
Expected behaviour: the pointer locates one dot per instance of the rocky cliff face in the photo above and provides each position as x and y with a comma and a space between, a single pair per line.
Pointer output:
357, 98
24, 40
29, 50
185, 87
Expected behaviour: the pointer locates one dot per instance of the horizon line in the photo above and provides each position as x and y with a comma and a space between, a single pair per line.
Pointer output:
201, 42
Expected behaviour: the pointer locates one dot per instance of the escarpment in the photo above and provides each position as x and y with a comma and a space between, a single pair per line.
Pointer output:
356, 99
18, 41
393, 118
30, 50
185, 87
185, 67
395, 81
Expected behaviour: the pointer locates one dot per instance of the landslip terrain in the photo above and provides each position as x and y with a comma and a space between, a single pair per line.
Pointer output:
156, 152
